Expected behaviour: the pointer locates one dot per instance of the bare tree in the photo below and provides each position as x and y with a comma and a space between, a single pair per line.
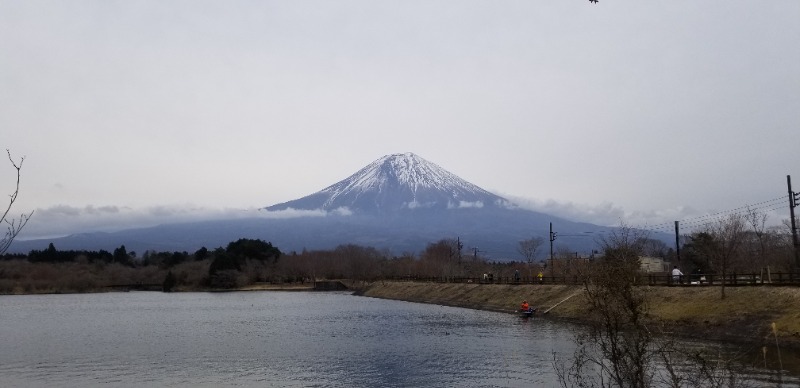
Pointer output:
617, 350
757, 222
14, 225
443, 258
529, 248
655, 248
623, 345
728, 235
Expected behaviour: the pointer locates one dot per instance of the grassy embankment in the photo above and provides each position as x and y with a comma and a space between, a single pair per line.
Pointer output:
745, 315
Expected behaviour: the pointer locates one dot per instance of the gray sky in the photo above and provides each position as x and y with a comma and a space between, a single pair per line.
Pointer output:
138, 112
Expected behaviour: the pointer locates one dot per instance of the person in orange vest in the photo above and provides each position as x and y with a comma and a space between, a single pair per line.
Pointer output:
525, 306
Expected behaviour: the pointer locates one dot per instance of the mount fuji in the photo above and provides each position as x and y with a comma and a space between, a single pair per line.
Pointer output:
399, 203
396, 183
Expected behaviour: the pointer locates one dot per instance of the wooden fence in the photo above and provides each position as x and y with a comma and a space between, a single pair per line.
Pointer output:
734, 279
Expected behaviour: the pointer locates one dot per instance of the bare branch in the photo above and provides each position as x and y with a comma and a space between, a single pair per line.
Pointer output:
530, 247
14, 225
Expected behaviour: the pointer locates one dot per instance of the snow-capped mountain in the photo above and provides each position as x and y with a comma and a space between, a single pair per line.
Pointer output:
396, 182
399, 202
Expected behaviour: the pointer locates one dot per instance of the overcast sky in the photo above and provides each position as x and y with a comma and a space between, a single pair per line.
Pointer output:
138, 112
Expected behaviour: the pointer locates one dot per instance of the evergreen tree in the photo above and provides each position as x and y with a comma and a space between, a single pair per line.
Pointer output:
169, 282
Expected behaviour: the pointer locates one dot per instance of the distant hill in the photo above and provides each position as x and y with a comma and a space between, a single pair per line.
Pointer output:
400, 203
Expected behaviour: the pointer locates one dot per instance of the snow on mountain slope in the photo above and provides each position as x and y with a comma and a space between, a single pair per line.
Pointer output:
396, 182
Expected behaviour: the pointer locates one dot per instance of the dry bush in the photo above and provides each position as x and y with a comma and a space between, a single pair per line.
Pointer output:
227, 279
192, 274
617, 349
623, 345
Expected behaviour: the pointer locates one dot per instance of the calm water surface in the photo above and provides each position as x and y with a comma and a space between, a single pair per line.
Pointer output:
261, 339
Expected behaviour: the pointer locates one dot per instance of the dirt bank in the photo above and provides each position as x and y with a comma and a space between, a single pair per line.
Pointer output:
745, 315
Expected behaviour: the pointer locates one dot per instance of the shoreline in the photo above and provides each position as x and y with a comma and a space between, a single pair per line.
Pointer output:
745, 316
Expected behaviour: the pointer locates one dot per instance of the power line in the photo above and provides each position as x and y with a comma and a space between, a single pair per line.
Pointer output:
693, 223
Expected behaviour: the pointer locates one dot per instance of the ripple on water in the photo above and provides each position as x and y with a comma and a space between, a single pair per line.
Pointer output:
297, 339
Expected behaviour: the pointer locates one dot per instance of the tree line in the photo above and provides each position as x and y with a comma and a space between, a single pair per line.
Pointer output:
241, 263
740, 243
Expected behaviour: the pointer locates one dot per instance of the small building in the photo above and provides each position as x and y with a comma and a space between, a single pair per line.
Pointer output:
653, 264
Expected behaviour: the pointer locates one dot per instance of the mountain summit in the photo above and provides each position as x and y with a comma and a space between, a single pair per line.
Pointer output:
394, 183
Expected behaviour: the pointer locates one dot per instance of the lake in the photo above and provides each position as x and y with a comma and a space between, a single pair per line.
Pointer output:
259, 339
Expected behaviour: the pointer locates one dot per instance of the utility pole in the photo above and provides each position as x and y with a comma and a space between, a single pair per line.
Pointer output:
475, 253
459, 245
552, 263
794, 198
678, 243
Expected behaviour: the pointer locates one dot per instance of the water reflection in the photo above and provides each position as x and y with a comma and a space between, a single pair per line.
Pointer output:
290, 339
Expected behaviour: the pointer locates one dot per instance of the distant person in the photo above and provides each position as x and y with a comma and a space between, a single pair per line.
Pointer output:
516, 276
676, 274
524, 306
540, 276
